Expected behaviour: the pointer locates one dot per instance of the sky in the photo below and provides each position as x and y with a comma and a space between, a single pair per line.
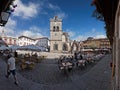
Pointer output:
32, 18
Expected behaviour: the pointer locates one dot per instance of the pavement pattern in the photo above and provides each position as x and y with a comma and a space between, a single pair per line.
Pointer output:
46, 76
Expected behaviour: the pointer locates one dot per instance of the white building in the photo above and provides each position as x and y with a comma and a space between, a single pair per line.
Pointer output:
42, 42
2, 43
8, 39
24, 40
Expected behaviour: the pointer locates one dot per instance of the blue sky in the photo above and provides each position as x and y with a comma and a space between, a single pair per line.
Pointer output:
31, 18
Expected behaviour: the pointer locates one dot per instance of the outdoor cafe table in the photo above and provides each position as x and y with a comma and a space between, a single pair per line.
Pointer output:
29, 65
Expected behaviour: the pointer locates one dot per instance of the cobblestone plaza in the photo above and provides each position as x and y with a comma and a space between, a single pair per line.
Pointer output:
46, 76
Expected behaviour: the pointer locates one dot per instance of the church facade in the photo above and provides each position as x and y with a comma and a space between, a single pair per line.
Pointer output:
59, 40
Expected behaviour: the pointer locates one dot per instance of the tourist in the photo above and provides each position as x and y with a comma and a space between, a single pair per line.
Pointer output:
81, 57
11, 68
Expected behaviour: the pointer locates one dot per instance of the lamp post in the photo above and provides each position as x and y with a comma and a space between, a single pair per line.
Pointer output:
4, 18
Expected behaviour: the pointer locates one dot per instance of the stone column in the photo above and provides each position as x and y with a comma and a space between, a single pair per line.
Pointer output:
116, 64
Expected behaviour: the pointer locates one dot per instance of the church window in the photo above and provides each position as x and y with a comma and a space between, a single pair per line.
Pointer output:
57, 28
55, 47
53, 28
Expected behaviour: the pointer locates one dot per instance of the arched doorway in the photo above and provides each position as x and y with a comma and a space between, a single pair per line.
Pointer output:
65, 47
74, 47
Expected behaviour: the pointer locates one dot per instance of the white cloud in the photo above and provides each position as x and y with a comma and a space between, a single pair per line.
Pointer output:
71, 33
35, 29
57, 10
26, 10
9, 29
31, 9
31, 34
53, 7
9, 32
80, 38
91, 33
100, 36
84, 37
61, 15
11, 23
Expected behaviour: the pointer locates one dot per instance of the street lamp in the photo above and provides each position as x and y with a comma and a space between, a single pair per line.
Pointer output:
4, 18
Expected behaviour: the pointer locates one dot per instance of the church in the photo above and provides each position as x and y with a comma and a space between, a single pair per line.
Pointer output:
59, 40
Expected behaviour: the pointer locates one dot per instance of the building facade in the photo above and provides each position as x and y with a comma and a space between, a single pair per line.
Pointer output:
59, 40
102, 43
24, 41
105, 43
2, 42
42, 42
10, 40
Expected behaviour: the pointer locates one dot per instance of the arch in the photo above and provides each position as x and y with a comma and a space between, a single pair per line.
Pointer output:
65, 47
80, 45
53, 28
57, 28
74, 47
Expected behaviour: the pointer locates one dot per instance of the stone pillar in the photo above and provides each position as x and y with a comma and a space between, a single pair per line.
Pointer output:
116, 64
118, 58
116, 51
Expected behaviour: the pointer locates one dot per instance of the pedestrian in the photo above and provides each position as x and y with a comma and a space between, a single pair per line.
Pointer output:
81, 57
11, 68
75, 55
15, 54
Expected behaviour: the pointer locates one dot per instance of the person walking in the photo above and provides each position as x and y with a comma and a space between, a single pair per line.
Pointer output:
11, 68
75, 55
15, 54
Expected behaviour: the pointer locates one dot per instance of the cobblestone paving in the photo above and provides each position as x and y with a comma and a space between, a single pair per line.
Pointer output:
47, 73
46, 76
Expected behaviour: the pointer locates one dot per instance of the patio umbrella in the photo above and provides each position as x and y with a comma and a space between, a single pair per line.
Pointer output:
31, 47
15, 47
3, 47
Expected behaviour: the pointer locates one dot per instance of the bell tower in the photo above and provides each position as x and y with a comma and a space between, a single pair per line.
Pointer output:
56, 34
